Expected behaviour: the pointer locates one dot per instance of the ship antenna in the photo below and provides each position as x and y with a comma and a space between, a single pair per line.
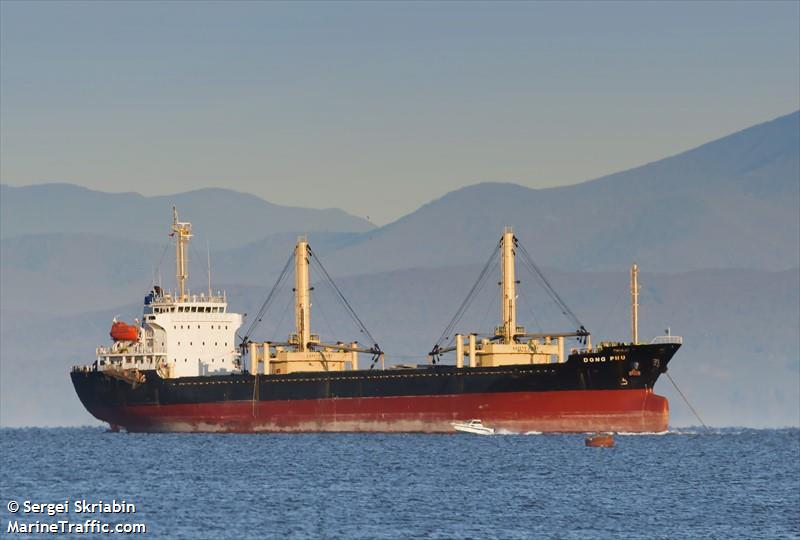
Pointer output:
208, 249
635, 303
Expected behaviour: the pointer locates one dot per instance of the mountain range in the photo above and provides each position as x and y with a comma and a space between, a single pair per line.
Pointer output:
229, 218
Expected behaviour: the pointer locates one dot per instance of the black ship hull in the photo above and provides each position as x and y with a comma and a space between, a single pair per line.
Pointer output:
609, 389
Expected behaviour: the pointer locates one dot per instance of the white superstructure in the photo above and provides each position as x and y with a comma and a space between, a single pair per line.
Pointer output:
180, 334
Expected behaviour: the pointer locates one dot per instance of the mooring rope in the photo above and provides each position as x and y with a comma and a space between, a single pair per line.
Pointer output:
687, 402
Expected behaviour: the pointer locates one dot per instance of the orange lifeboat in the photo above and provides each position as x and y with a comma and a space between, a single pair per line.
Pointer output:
602, 440
124, 332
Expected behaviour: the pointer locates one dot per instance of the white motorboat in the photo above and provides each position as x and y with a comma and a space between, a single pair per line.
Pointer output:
472, 426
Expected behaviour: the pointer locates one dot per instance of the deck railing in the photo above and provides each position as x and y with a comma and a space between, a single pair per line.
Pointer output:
169, 299
660, 340
134, 350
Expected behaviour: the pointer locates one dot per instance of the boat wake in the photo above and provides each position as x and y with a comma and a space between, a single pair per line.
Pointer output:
502, 431
645, 433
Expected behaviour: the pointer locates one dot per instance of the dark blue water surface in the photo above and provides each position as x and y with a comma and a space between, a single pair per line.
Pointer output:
690, 484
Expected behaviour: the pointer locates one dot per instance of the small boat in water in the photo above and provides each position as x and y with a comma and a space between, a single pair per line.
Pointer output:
601, 440
473, 426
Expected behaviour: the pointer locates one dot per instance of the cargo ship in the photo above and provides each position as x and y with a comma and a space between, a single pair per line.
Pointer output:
182, 368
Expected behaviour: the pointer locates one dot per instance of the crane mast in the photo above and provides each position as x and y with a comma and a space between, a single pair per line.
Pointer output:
182, 232
635, 303
302, 295
508, 292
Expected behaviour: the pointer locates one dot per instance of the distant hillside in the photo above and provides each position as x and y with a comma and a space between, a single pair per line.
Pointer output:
739, 363
58, 273
732, 203
64, 273
225, 218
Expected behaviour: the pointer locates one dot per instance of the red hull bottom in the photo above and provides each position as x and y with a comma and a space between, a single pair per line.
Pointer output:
632, 411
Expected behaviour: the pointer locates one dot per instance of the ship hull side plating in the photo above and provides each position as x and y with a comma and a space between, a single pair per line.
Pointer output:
632, 411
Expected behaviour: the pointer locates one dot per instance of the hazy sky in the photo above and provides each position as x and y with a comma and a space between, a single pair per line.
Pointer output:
377, 108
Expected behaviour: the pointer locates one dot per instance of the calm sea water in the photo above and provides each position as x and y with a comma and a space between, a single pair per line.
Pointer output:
690, 484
